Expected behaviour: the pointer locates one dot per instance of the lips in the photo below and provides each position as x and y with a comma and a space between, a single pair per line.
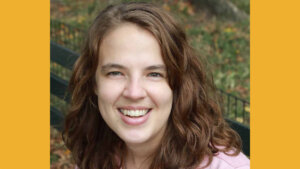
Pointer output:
134, 115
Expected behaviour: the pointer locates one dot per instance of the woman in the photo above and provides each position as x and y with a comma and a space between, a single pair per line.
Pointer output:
141, 98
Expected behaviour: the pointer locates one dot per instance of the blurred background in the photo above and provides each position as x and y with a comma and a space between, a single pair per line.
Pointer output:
217, 29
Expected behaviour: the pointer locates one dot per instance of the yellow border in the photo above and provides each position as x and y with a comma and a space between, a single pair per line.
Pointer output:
275, 75
25, 84
24, 87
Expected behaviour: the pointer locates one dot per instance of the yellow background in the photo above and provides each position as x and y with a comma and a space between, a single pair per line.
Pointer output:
25, 84
274, 81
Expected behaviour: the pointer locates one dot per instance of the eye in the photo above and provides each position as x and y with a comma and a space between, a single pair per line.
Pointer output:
114, 73
155, 74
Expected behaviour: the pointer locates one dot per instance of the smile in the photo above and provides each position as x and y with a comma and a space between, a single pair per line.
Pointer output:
134, 113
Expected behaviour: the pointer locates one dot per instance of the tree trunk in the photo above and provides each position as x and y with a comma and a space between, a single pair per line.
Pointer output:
222, 8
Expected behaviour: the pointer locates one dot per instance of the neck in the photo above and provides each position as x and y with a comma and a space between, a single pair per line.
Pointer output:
140, 155
137, 158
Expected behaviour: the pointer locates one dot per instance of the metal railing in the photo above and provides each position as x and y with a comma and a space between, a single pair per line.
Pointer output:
235, 108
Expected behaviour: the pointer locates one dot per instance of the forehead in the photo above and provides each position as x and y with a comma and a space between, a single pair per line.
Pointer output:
129, 39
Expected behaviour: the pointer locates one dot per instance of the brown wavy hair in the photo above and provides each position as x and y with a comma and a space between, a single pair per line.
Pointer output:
196, 130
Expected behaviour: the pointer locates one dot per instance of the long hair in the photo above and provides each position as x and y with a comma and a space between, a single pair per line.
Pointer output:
196, 130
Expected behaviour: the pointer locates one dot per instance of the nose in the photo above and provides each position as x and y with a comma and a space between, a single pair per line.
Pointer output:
134, 90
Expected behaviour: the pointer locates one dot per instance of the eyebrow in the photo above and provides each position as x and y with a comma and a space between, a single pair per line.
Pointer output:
108, 66
111, 65
154, 67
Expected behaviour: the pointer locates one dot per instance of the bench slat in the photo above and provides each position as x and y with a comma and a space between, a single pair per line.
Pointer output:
56, 118
58, 87
244, 132
62, 55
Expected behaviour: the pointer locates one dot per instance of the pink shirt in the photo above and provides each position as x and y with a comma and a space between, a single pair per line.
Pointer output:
223, 161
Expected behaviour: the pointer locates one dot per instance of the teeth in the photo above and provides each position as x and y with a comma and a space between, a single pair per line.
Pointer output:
134, 113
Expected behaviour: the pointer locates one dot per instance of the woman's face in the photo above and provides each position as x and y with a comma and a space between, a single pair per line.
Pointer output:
134, 96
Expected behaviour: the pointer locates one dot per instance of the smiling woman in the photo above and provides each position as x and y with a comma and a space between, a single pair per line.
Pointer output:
141, 98
134, 96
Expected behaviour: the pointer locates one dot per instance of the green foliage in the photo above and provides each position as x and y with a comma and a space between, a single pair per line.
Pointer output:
232, 60
225, 46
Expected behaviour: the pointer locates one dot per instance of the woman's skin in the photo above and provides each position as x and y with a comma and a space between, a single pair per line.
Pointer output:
131, 78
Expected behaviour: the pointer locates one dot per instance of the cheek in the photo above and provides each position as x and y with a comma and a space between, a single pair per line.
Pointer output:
161, 94
108, 92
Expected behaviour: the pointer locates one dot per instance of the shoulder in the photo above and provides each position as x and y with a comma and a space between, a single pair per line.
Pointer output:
224, 161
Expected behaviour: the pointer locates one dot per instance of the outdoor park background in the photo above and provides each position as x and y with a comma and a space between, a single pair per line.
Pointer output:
220, 36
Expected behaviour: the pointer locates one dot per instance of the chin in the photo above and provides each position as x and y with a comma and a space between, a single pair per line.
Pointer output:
135, 138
